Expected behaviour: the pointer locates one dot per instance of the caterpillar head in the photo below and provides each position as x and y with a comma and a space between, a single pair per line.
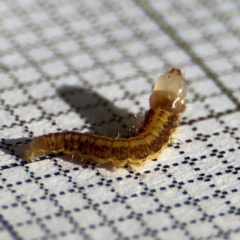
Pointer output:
169, 92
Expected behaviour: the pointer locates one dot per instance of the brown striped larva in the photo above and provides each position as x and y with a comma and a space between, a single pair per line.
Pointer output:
167, 103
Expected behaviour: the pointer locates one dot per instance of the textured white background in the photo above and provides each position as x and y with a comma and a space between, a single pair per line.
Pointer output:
90, 66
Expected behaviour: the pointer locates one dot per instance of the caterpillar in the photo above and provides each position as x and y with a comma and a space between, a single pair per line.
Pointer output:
167, 103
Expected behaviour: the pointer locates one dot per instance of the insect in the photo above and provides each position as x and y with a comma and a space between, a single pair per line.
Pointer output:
167, 103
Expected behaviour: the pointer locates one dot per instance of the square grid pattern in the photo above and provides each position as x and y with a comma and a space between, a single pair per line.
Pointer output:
90, 66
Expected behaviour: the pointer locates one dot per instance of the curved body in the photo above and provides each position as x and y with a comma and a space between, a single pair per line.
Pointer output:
167, 103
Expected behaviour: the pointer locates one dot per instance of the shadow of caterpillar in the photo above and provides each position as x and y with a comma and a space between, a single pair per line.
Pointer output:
167, 103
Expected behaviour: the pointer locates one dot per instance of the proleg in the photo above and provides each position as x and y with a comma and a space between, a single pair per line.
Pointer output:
167, 103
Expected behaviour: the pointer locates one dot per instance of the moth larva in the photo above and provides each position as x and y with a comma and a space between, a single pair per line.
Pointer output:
167, 103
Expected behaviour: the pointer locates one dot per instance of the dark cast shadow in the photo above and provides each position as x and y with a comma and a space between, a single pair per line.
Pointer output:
104, 117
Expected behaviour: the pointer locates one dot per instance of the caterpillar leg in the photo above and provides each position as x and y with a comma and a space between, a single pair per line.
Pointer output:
32, 155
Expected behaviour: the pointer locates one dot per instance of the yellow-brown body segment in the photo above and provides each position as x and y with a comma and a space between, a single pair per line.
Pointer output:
153, 135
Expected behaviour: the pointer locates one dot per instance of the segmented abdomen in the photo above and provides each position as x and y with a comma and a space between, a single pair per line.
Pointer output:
167, 103
151, 138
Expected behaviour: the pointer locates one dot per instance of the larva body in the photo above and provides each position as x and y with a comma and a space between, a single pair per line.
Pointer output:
167, 103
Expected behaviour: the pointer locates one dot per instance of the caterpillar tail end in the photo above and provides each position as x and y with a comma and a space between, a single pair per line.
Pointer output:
32, 155
36, 150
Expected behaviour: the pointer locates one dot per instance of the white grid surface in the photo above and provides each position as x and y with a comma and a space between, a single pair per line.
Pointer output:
90, 66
